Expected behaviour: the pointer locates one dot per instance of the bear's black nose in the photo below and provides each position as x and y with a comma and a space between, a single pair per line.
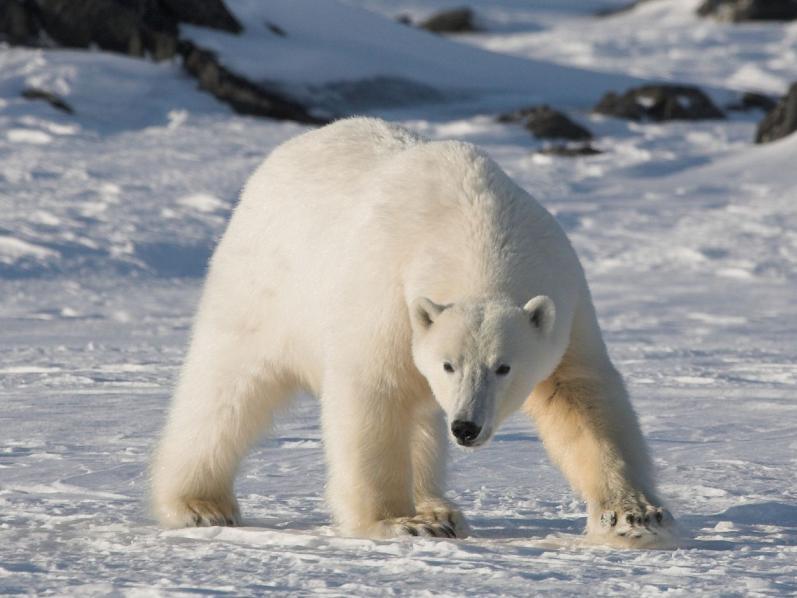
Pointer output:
465, 432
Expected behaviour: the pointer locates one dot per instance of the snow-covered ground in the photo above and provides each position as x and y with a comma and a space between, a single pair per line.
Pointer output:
688, 233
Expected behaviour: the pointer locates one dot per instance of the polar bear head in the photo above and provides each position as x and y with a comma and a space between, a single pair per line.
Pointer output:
482, 359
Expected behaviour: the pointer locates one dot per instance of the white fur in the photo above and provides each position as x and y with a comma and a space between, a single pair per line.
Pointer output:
360, 259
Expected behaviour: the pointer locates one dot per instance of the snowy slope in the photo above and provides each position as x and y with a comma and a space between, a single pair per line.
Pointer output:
327, 47
686, 231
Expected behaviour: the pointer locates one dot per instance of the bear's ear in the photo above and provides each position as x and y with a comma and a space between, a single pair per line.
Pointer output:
542, 313
424, 312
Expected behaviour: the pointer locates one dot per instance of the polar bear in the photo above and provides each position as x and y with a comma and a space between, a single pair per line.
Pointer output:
421, 295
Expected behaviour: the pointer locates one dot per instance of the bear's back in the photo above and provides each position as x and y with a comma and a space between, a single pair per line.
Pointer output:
343, 151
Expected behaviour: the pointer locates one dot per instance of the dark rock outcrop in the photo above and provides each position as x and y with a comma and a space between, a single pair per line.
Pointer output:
455, 20
33, 93
275, 29
244, 96
546, 123
749, 10
781, 121
659, 103
134, 27
569, 150
148, 28
752, 101
18, 22
205, 13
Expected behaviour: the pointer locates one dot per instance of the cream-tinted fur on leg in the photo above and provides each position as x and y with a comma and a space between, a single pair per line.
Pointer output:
591, 432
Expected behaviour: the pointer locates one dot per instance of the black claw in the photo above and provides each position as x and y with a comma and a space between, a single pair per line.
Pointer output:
629, 519
647, 519
197, 520
429, 530
449, 531
609, 518
230, 522
659, 516
409, 530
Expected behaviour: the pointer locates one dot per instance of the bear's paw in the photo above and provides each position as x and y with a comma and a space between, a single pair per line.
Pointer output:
634, 523
418, 526
200, 512
443, 512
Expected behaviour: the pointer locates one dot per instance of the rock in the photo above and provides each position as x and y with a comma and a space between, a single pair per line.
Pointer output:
275, 29
753, 101
781, 121
205, 13
18, 22
244, 96
659, 103
570, 151
749, 10
134, 27
147, 28
547, 123
55, 101
456, 20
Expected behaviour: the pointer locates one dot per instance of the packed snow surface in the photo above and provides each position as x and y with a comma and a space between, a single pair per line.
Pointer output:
687, 231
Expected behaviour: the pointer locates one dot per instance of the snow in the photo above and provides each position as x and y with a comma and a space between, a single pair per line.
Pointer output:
329, 47
687, 231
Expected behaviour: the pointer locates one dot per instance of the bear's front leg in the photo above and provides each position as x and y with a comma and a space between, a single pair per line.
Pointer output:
367, 438
590, 430
429, 447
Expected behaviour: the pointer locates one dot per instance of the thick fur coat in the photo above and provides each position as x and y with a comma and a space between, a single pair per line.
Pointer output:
421, 295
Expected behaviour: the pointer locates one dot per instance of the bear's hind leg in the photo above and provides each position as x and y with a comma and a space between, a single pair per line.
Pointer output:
429, 455
221, 406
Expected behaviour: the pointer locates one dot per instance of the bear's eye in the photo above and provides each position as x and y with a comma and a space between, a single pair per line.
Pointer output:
502, 370
448, 367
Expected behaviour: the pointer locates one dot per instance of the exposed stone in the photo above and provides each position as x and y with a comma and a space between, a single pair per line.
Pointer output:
456, 20
749, 10
147, 28
753, 101
781, 121
205, 13
275, 29
244, 96
569, 150
18, 22
55, 101
546, 123
134, 27
659, 103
